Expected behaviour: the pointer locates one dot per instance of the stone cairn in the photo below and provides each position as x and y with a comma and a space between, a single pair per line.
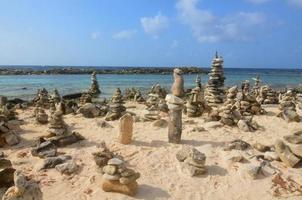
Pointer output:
138, 97
42, 98
52, 106
227, 111
85, 98
41, 116
267, 95
116, 107
256, 88
126, 129
129, 94
55, 96
118, 178
247, 104
287, 107
194, 105
57, 126
175, 105
214, 92
192, 160
94, 89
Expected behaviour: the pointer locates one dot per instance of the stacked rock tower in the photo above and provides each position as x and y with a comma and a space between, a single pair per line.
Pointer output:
94, 89
214, 92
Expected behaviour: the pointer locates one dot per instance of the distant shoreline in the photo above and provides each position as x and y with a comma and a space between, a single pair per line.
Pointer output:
99, 70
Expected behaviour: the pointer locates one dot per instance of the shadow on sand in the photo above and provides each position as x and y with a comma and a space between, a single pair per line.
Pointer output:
149, 192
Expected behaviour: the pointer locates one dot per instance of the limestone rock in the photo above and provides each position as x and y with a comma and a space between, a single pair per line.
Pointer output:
116, 186
6, 173
126, 129
89, 110
67, 168
44, 149
285, 154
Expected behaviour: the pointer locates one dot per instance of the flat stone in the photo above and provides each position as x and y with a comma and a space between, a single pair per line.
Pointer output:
110, 169
67, 168
285, 154
115, 161
111, 177
171, 99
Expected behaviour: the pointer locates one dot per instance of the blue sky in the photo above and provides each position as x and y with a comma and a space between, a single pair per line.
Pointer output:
248, 33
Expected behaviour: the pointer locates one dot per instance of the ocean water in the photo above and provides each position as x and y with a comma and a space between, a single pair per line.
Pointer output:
25, 86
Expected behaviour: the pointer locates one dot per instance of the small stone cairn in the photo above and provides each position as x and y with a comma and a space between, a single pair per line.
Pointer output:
118, 178
57, 126
192, 160
42, 98
227, 111
256, 88
85, 98
116, 107
267, 95
41, 116
94, 89
138, 97
175, 105
214, 92
55, 96
152, 107
194, 105
287, 107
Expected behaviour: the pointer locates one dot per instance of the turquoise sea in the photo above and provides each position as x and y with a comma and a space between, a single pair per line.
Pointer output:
25, 86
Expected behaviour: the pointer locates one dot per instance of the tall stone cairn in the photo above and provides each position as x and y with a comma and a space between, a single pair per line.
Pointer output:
175, 105
94, 89
214, 92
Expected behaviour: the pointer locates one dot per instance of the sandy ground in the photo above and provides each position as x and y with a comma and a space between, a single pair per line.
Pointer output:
152, 156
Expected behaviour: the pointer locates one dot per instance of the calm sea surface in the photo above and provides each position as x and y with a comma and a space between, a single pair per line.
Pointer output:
25, 86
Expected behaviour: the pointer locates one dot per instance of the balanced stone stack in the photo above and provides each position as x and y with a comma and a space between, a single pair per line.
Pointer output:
194, 105
8, 111
193, 161
129, 94
256, 88
8, 128
116, 107
227, 111
247, 103
56, 96
245, 87
175, 105
138, 97
94, 89
118, 178
152, 107
214, 92
85, 98
289, 154
52, 106
57, 126
267, 95
198, 82
41, 116
42, 98
287, 107
160, 91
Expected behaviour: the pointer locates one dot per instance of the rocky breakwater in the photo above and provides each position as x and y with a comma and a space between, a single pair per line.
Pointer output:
214, 92
287, 107
175, 106
116, 107
118, 178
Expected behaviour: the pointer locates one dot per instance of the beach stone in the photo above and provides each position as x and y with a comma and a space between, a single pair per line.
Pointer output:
271, 156
261, 147
89, 110
253, 171
110, 169
24, 189
237, 145
6, 173
111, 177
162, 123
129, 179
64, 140
52, 162
115, 186
115, 161
242, 125
11, 138
291, 116
170, 98
285, 154
294, 139
296, 149
127, 172
13, 124
198, 129
213, 125
44, 149
102, 157
126, 129
67, 168
178, 85
235, 156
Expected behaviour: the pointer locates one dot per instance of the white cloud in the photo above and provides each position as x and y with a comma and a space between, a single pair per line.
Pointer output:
296, 3
258, 1
174, 44
207, 27
95, 35
155, 25
124, 34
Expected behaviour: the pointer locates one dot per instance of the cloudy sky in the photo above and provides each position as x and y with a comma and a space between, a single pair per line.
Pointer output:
247, 33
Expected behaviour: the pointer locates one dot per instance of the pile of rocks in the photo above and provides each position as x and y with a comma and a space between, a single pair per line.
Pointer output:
160, 91
85, 98
193, 161
214, 92
267, 95
290, 154
118, 178
256, 88
102, 156
152, 108
41, 116
116, 107
129, 94
52, 106
8, 111
94, 89
55, 97
138, 97
57, 126
6, 173
287, 107
227, 111
299, 101
42, 98
8, 128
194, 105
24, 188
